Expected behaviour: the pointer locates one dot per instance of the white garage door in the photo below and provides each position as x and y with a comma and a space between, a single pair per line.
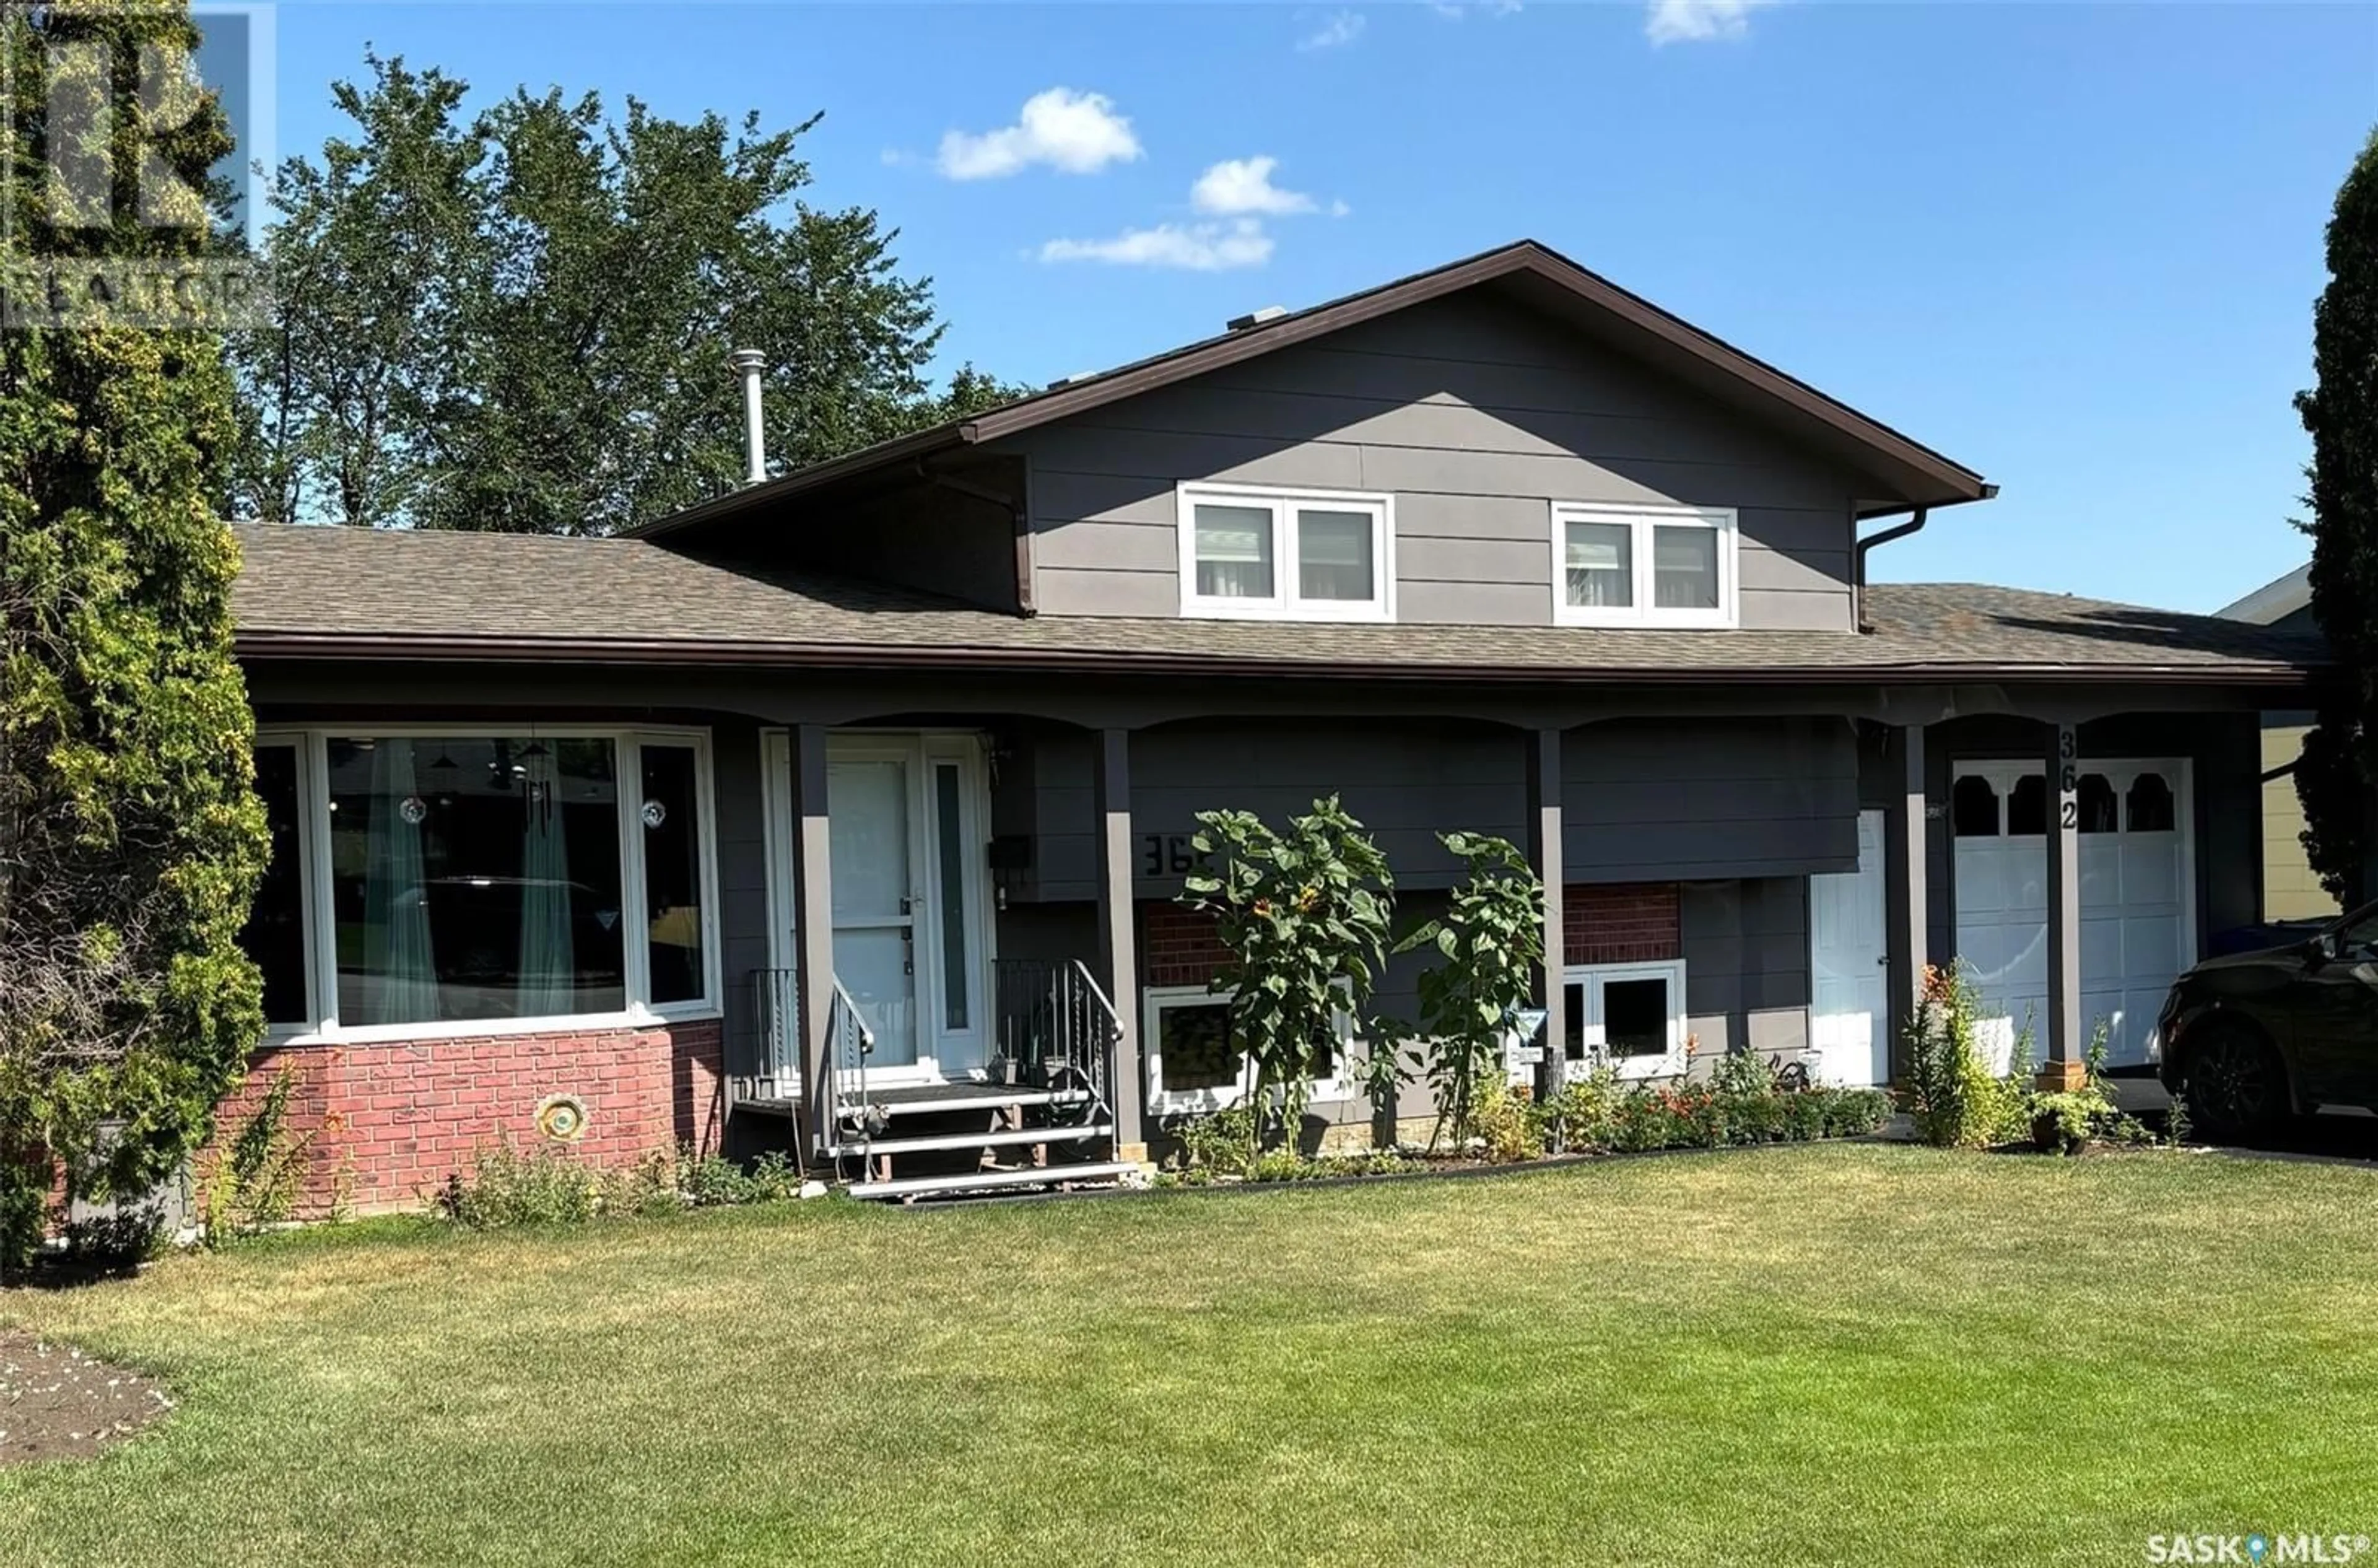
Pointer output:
2137, 899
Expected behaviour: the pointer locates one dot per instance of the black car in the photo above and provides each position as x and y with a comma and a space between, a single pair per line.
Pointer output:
2255, 1038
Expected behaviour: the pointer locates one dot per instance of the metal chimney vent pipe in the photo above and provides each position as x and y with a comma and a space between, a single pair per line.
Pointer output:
748, 364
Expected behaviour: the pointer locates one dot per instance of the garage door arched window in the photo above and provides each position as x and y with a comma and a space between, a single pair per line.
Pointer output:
2151, 805
2027, 807
1974, 807
2101, 811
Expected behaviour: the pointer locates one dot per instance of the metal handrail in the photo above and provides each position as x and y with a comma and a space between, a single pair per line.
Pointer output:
1106, 1010
854, 1039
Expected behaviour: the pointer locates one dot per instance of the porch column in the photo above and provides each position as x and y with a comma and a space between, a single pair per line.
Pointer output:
1906, 856
813, 925
2063, 1067
1118, 939
1544, 851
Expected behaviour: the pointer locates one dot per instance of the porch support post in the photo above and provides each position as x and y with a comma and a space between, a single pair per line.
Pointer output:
1906, 856
2064, 1069
1544, 829
814, 926
1118, 939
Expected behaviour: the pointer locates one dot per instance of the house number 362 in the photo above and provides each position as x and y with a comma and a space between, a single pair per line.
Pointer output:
1166, 855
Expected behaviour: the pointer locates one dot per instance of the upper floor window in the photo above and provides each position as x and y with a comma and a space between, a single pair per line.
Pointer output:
1643, 565
1286, 554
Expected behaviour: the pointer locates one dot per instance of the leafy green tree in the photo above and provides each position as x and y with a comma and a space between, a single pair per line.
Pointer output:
1490, 940
2340, 756
1304, 916
520, 321
130, 837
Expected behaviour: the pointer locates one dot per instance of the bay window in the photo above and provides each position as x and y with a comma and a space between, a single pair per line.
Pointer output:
450, 879
1648, 565
1285, 554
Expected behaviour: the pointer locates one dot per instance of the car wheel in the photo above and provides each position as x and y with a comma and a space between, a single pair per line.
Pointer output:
2236, 1085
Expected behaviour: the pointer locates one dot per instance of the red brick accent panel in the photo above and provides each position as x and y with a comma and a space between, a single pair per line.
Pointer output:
1178, 947
395, 1119
1621, 923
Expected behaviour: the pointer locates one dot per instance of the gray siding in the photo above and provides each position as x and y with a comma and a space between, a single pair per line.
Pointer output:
1670, 800
1476, 416
1746, 948
742, 884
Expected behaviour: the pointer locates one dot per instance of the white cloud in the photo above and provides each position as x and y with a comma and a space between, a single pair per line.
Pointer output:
1195, 247
1078, 133
1237, 186
1338, 31
1696, 21
1454, 10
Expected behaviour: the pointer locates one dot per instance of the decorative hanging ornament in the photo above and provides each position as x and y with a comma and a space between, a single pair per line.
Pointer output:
655, 813
414, 809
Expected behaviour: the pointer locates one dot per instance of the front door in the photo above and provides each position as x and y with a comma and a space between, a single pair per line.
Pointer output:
1849, 967
910, 916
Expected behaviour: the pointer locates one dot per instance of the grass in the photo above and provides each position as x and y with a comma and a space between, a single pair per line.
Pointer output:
1809, 1355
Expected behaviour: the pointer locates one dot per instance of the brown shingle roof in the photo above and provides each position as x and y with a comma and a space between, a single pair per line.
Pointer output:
337, 591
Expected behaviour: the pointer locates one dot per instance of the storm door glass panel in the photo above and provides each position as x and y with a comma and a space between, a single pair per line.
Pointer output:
670, 826
1684, 567
1600, 563
1234, 552
1974, 807
874, 955
275, 934
1635, 1016
950, 891
1333, 553
476, 878
1194, 1046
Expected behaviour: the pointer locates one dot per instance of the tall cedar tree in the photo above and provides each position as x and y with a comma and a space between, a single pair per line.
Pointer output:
130, 837
521, 321
2335, 776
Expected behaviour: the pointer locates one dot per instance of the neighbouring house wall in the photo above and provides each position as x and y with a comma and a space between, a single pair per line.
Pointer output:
2290, 891
391, 1120
1476, 416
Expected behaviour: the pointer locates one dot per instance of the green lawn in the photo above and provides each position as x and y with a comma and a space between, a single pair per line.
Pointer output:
1819, 1354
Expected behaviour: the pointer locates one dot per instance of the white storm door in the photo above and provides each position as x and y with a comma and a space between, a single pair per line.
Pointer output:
1849, 972
871, 803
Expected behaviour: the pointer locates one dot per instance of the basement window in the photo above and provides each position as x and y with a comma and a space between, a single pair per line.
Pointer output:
1195, 1064
1643, 565
1250, 554
1631, 1015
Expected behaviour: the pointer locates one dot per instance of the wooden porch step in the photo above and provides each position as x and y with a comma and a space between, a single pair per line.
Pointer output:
992, 1181
1006, 1137
963, 1096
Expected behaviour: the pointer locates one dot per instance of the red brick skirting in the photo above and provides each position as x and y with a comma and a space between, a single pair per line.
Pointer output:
395, 1119
1621, 923
1178, 947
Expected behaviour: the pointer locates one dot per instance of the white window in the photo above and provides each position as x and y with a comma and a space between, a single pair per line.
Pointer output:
1194, 1064
1642, 566
1631, 1015
458, 878
1286, 554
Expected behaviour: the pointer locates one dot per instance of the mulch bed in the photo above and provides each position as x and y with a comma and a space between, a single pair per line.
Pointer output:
56, 1402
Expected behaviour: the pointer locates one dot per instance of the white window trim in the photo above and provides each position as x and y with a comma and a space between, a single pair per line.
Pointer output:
1643, 519
1593, 977
1285, 602
314, 837
1155, 1000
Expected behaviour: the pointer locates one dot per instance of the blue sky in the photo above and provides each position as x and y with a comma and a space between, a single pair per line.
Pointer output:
2073, 246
